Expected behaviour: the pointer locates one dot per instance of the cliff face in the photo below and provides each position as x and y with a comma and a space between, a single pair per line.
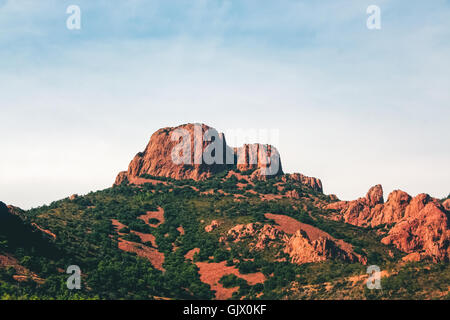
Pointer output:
265, 159
419, 225
160, 157
197, 151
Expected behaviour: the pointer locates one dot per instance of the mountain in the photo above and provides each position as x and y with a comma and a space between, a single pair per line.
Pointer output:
193, 218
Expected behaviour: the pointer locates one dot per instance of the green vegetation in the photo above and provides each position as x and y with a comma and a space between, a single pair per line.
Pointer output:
85, 236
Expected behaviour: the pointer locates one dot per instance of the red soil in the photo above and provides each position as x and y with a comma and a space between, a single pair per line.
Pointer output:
22, 273
211, 273
290, 225
159, 215
155, 257
145, 237
138, 181
118, 225
190, 254
181, 230
240, 177
269, 197
51, 234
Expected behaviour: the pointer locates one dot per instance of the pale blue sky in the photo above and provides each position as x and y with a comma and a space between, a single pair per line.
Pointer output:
354, 107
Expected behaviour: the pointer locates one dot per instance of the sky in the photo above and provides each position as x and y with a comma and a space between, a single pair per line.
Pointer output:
354, 107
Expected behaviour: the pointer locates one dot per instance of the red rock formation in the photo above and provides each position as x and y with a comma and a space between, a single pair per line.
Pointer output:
375, 196
307, 244
421, 224
265, 159
424, 230
311, 182
260, 235
212, 272
196, 151
160, 157
302, 249
358, 212
412, 257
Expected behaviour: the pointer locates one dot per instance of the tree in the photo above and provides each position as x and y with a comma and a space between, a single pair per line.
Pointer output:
3, 245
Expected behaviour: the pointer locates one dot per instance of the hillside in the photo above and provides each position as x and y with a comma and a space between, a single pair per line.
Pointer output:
189, 231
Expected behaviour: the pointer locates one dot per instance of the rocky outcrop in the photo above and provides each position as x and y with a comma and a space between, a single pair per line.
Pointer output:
302, 246
424, 230
392, 211
311, 182
264, 159
174, 153
260, 235
412, 257
212, 226
359, 212
419, 225
197, 151
302, 249
375, 196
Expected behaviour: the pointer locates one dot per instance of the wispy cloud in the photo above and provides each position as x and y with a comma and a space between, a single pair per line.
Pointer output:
355, 107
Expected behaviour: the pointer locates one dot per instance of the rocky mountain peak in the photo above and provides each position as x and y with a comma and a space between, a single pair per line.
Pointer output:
375, 195
197, 151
